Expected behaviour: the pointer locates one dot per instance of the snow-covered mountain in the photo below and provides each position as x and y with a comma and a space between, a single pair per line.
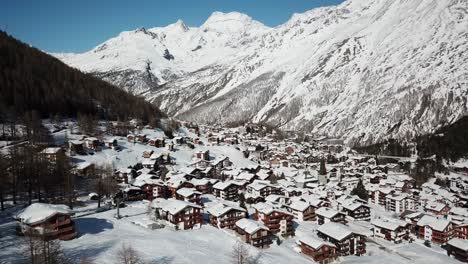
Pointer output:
364, 70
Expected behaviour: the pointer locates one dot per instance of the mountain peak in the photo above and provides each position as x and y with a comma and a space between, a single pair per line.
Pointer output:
180, 25
220, 17
230, 21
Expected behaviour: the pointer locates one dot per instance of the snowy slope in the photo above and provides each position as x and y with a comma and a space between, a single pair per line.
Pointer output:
364, 70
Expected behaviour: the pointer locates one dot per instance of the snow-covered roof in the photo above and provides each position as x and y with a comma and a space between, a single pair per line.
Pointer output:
314, 242
389, 224
51, 150
187, 192
267, 208
250, 226
435, 206
299, 206
433, 222
459, 243
220, 209
335, 230
171, 205
39, 212
326, 212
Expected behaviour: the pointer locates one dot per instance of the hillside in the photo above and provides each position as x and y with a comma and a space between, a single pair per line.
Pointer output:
365, 70
33, 80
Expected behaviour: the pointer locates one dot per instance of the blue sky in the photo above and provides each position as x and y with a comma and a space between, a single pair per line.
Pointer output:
79, 25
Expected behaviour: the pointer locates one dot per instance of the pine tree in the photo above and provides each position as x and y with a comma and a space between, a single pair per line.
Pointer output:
360, 191
242, 201
323, 169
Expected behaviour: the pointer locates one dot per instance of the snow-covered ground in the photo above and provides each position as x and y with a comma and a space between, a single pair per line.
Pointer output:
101, 235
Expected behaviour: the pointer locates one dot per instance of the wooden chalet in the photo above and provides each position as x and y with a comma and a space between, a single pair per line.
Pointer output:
393, 230
346, 241
325, 215
47, 221
278, 221
437, 230
253, 233
227, 190
225, 216
190, 195
302, 211
320, 251
179, 214
458, 248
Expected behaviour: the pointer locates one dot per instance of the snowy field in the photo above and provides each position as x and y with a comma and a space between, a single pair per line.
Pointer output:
101, 235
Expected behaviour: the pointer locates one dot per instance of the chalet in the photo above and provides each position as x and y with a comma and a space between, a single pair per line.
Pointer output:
219, 164
437, 230
228, 190
325, 215
357, 211
346, 241
202, 185
157, 142
177, 182
179, 214
302, 211
131, 138
76, 147
391, 229
436, 208
170, 146
46, 220
85, 169
93, 143
262, 188
225, 216
53, 154
147, 183
134, 193
253, 233
123, 175
201, 164
147, 153
149, 164
458, 248
111, 143
190, 195
277, 220
320, 251
203, 155
141, 138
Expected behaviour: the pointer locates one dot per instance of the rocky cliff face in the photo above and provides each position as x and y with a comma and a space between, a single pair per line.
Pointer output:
364, 70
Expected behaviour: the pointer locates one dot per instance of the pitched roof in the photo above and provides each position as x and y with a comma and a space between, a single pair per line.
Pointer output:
39, 212
335, 230
314, 242
187, 192
326, 212
459, 243
221, 209
433, 222
171, 205
250, 226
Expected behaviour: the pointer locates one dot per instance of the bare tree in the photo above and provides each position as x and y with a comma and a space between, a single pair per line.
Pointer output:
240, 255
103, 182
128, 255
41, 249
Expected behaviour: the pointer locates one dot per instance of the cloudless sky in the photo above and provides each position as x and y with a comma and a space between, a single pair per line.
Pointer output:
79, 25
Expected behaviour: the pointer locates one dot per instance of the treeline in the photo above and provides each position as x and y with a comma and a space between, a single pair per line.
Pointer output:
29, 175
390, 147
448, 143
33, 80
